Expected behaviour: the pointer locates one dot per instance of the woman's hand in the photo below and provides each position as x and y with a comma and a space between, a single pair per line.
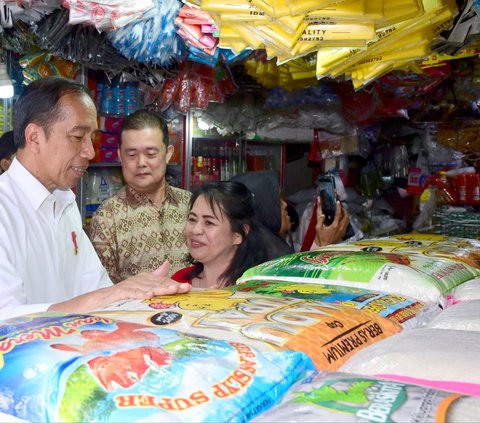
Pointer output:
333, 233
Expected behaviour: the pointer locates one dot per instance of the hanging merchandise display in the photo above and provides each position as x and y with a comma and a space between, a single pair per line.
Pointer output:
153, 38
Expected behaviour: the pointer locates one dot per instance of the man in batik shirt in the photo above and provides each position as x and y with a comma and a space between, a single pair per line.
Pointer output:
143, 224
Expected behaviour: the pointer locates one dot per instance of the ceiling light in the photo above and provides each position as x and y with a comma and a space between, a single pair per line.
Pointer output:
6, 86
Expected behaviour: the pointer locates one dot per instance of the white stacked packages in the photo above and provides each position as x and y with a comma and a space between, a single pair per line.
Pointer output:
461, 316
444, 359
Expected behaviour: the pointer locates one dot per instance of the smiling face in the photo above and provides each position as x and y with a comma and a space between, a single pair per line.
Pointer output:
209, 235
144, 158
63, 151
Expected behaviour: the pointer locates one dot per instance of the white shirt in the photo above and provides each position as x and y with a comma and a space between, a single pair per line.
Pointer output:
45, 255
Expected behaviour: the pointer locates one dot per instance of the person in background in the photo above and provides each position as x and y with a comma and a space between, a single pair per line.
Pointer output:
7, 150
271, 210
142, 225
223, 235
47, 261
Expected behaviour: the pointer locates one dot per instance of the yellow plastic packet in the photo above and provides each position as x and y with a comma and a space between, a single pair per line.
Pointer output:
230, 6
304, 6
277, 41
274, 8
290, 23
394, 37
343, 35
374, 10
241, 17
399, 10
341, 10
337, 31
436, 58
239, 32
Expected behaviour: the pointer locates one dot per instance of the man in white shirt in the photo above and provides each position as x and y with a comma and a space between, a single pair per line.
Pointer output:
46, 260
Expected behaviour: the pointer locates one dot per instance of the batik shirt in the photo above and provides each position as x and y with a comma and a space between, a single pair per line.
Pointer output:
132, 235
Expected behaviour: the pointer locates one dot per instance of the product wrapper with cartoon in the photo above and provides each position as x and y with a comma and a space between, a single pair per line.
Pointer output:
343, 397
408, 312
423, 278
73, 367
328, 333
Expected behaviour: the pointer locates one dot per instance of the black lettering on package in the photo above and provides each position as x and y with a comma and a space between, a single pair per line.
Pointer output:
347, 342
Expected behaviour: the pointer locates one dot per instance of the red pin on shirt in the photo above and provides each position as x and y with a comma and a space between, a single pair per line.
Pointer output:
74, 240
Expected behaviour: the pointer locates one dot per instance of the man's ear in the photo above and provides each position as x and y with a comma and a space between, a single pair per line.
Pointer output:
170, 150
33, 134
4, 163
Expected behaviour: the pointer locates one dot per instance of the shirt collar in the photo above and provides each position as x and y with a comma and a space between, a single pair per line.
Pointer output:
34, 190
135, 198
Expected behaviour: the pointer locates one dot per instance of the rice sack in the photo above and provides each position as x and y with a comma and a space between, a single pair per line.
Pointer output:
440, 358
74, 367
343, 397
442, 247
461, 316
422, 278
467, 291
328, 333
408, 312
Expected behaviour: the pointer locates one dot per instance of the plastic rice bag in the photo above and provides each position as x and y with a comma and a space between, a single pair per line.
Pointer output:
75, 367
342, 397
328, 333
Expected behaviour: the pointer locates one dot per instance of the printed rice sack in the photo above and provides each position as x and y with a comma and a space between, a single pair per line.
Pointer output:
429, 245
81, 368
343, 397
422, 278
467, 291
461, 316
328, 333
408, 312
440, 358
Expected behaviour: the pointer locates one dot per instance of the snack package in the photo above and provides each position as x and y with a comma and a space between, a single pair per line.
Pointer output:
343, 397
328, 333
78, 368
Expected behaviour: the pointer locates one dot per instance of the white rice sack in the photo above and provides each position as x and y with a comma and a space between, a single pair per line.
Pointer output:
430, 245
444, 359
461, 316
420, 277
467, 291
343, 397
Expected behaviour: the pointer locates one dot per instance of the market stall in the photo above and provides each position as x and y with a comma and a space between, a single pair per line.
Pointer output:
380, 95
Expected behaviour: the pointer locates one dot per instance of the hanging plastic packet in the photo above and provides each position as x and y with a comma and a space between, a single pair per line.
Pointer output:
196, 27
343, 10
154, 40
107, 15
393, 38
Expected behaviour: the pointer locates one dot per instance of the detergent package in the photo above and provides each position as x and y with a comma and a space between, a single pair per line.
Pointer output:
343, 397
82, 368
408, 312
328, 333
